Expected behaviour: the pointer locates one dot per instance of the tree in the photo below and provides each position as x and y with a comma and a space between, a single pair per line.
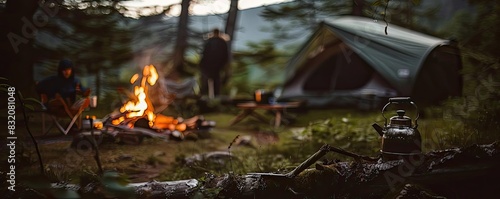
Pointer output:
476, 33
96, 37
25, 19
182, 35
232, 16
18, 33
478, 30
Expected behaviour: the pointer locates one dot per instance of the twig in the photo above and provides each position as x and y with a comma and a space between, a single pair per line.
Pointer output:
94, 142
19, 96
311, 160
322, 152
355, 156
229, 151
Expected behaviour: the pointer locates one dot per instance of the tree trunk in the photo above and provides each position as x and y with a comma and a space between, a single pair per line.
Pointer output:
18, 32
232, 16
182, 35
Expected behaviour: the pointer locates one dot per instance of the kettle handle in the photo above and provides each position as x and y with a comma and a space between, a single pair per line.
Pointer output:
401, 100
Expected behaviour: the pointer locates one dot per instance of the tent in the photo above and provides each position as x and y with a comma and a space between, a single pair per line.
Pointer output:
356, 61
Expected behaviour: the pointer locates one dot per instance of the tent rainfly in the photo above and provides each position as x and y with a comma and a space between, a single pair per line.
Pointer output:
352, 61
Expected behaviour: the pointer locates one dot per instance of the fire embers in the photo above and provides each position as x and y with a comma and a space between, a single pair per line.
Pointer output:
165, 127
170, 123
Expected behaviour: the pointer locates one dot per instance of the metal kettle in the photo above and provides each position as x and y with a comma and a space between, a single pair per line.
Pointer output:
400, 139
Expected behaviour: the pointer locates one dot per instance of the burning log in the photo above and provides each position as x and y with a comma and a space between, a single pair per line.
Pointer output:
168, 122
134, 129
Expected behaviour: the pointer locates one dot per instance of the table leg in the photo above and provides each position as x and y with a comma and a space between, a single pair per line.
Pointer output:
241, 116
260, 117
277, 119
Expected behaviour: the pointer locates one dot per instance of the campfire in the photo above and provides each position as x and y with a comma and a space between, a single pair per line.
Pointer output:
139, 111
140, 106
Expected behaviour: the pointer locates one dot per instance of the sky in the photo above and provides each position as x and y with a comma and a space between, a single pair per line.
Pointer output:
204, 7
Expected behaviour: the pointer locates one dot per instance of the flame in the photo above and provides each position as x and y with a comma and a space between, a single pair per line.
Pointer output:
152, 74
134, 78
141, 106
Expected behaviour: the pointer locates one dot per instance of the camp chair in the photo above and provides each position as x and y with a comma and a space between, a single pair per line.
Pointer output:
58, 109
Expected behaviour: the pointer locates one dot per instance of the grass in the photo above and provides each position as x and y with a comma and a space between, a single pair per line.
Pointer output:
269, 150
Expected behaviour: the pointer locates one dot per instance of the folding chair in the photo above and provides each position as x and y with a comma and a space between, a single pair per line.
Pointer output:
62, 110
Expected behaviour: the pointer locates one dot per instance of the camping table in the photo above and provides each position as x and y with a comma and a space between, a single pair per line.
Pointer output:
248, 108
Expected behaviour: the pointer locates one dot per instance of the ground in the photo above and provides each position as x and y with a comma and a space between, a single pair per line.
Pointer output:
153, 159
269, 149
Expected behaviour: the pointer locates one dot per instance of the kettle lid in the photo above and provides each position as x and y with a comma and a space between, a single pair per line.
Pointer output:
400, 120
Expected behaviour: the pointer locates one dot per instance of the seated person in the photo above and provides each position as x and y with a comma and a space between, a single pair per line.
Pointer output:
59, 92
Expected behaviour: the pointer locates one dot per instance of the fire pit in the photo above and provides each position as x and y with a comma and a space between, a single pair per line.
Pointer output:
164, 127
137, 118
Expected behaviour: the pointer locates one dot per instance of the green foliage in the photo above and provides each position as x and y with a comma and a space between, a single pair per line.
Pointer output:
478, 112
115, 185
269, 159
96, 38
479, 109
402, 13
204, 193
477, 30
352, 134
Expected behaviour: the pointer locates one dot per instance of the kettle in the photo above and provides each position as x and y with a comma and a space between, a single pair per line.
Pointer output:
400, 139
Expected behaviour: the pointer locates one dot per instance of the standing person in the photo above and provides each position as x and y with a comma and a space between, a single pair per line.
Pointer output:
61, 89
214, 58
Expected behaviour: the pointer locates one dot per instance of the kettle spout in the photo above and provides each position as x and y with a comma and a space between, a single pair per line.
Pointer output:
378, 128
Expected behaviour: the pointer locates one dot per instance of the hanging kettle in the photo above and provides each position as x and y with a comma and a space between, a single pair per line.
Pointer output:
400, 138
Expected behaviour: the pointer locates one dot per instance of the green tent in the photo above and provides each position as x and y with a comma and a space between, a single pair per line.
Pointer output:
360, 61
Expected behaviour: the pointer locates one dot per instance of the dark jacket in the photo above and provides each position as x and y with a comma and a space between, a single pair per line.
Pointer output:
215, 55
58, 84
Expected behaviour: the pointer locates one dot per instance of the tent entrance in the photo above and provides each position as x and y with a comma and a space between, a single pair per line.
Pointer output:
340, 72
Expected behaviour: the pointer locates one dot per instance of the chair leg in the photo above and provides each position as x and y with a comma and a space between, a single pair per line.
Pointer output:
75, 118
58, 125
46, 128
61, 128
